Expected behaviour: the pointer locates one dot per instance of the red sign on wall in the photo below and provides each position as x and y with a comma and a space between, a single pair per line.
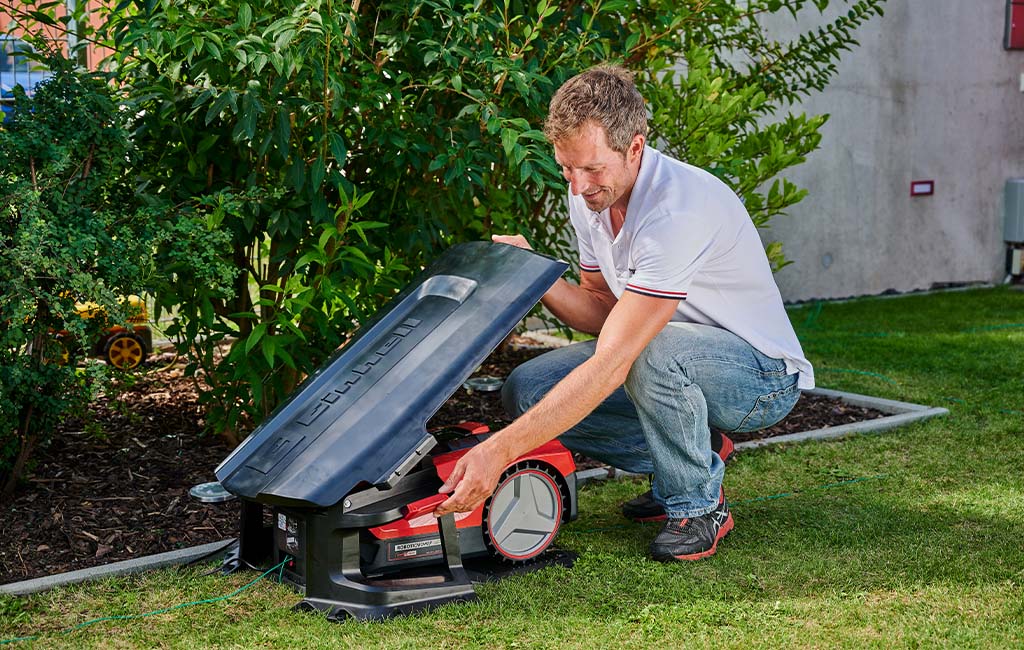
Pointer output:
1013, 35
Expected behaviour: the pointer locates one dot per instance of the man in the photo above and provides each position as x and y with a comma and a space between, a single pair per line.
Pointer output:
691, 330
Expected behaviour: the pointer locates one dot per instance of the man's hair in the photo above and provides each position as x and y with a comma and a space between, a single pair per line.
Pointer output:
605, 95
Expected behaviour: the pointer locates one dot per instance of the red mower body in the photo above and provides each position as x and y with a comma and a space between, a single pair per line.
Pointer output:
547, 474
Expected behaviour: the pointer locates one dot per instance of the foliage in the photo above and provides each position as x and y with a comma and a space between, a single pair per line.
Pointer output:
343, 145
72, 229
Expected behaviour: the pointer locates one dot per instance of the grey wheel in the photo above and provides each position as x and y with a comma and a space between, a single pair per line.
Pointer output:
522, 517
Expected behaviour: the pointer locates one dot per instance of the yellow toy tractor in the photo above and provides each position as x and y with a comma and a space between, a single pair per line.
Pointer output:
122, 347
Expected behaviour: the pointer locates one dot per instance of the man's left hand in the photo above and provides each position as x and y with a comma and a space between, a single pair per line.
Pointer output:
473, 480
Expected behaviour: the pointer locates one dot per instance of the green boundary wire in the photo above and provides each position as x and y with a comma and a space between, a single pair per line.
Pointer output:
129, 617
827, 486
812, 317
989, 328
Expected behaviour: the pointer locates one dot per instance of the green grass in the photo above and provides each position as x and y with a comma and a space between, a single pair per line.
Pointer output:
926, 550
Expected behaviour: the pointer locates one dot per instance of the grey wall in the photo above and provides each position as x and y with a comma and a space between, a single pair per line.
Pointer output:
929, 94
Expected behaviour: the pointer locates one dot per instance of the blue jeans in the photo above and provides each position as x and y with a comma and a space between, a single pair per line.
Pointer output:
689, 378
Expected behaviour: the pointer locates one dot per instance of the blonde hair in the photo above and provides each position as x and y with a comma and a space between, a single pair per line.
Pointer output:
605, 95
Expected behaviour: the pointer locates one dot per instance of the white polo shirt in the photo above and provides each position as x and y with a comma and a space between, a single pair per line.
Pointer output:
688, 236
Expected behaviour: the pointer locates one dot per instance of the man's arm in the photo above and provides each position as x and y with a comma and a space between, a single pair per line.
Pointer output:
631, 324
584, 307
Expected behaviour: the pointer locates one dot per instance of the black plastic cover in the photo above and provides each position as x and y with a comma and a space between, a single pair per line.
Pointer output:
361, 417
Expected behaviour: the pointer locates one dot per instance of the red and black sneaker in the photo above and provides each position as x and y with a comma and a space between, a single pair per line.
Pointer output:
693, 538
722, 445
644, 508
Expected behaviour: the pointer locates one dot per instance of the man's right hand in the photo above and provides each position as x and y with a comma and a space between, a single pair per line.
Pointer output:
512, 240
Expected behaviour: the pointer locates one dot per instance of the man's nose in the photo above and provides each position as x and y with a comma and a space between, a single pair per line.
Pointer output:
576, 185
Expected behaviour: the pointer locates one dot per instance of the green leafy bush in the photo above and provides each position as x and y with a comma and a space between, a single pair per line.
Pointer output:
72, 229
344, 144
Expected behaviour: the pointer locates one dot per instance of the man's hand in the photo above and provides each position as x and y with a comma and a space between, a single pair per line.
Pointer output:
473, 480
512, 240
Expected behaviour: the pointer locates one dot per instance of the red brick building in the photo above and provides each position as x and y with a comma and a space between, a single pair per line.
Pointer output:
17, 69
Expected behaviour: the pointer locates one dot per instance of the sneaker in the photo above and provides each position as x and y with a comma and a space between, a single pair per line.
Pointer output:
724, 446
693, 538
644, 508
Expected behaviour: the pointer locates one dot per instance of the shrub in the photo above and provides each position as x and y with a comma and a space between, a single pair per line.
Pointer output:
72, 229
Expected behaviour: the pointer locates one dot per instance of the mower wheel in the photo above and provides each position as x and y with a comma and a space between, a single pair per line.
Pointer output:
522, 517
125, 351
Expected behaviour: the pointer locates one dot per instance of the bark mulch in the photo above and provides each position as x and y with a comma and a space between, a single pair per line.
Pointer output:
113, 484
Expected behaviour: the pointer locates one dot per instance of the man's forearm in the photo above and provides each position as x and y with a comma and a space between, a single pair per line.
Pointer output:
578, 307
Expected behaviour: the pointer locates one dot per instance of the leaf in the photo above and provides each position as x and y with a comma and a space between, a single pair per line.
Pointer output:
269, 348
286, 356
338, 150
44, 18
207, 142
245, 16
525, 171
254, 337
277, 61
283, 39
632, 40
226, 98
283, 131
311, 256
316, 174
508, 140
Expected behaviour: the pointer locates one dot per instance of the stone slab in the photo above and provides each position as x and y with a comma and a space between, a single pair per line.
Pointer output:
135, 565
900, 413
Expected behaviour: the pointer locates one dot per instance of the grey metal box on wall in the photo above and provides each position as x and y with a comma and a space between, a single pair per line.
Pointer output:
1013, 218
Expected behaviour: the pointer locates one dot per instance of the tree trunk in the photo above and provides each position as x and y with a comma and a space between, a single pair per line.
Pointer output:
28, 443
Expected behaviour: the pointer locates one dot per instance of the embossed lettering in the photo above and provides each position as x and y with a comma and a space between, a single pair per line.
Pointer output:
364, 367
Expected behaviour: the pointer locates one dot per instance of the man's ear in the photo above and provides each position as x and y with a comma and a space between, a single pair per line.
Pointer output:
636, 147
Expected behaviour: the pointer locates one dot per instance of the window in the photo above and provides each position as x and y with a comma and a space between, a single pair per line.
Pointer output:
16, 69
12, 55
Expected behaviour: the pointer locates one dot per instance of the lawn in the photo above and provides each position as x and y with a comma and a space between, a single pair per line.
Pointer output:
909, 538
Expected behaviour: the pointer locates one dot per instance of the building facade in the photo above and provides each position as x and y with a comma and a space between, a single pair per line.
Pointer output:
932, 101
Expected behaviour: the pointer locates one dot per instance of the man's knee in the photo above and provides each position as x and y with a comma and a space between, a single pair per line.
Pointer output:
658, 358
528, 383
519, 393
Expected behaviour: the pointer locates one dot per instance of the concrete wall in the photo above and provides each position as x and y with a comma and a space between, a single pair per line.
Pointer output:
929, 94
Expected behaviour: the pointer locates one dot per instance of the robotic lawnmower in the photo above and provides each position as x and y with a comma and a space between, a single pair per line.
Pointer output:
340, 483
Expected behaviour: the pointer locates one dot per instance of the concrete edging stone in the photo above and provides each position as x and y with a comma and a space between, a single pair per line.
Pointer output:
135, 565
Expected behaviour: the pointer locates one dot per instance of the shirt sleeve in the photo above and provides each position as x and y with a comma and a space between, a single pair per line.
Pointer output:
668, 253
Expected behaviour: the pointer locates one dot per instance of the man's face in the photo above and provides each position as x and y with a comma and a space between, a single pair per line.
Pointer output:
594, 170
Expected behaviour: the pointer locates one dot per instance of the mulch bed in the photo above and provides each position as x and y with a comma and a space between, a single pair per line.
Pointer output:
113, 484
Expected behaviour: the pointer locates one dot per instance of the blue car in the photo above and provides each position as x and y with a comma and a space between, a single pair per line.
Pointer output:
17, 70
